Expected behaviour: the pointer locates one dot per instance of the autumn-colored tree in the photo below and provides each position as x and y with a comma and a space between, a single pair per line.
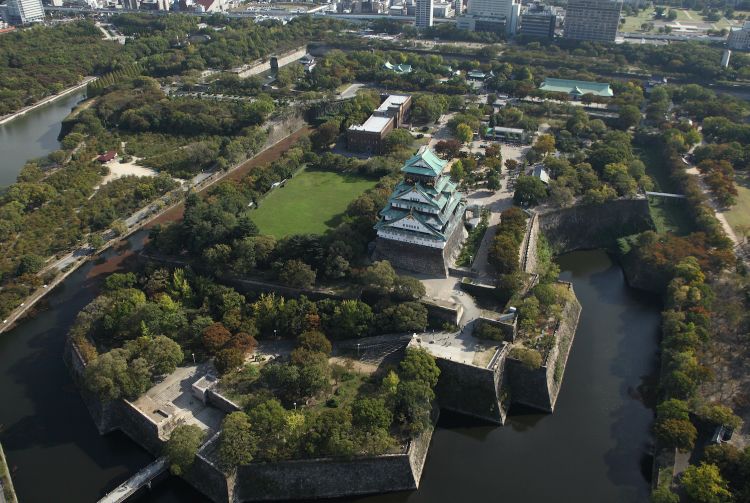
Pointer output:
215, 337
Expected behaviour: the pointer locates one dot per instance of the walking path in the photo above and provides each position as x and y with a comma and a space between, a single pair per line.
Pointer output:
141, 478
135, 222
717, 209
7, 118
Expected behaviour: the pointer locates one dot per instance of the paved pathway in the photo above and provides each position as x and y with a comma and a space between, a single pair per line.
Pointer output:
141, 478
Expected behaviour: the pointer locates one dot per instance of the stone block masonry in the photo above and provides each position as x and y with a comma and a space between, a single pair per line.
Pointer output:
422, 259
473, 391
539, 388
594, 226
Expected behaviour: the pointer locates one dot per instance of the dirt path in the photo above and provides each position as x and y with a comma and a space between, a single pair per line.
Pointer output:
717, 210
266, 156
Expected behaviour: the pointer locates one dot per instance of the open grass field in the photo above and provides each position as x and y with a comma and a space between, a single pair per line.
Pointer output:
310, 203
684, 16
739, 215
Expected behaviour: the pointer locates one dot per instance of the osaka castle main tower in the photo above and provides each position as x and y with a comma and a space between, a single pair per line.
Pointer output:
422, 226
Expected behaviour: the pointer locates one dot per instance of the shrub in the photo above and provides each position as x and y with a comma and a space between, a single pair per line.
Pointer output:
531, 358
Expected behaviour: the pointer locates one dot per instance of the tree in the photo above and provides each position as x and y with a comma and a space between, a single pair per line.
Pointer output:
408, 288
397, 139
464, 133
237, 442
297, 274
503, 254
228, 359
419, 365
350, 319
663, 494
630, 116
719, 415
448, 149
182, 447
114, 375
30, 264
457, 171
324, 135
379, 277
531, 358
215, 337
704, 484
676, 433
313, 340
544, 144
162, 354
403, 317
371, 413
530, 190
413, 406
269, 422
493, 182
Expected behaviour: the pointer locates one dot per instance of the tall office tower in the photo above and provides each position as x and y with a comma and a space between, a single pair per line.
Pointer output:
595, 20
423, 14
538, 20
25, 11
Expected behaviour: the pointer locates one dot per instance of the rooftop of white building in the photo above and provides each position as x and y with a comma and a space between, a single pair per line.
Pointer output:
372, 125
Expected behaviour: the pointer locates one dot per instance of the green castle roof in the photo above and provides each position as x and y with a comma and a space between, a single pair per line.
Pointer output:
424, 163
576, 87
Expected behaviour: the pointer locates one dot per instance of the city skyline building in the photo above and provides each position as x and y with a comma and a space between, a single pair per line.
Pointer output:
423, 17
21, 12
594, 20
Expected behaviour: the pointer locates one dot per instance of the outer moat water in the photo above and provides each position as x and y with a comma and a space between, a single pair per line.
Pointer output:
33, 135
593, 448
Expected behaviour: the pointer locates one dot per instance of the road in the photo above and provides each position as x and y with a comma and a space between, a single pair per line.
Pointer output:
149, 214
351, 91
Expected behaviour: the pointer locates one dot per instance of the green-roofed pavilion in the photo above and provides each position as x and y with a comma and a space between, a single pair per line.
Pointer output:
576, 88
424, 163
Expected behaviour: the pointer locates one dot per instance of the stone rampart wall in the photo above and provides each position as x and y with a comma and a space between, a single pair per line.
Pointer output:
224, 404
594, 226
538, 388
471, 390
422, 259
331, 478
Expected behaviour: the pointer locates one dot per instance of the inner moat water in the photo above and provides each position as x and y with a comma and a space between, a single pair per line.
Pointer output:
595, 447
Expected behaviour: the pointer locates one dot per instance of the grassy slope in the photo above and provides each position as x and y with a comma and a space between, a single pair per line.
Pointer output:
311, 202
739, 215
669, 215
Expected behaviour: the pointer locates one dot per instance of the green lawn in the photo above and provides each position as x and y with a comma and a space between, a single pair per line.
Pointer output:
669, 215
311, 202
739, 216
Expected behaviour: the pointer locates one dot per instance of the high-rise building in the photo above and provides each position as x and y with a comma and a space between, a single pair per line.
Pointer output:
491, 15
423, 15
24, 11
739, 38
538, 20
595, 20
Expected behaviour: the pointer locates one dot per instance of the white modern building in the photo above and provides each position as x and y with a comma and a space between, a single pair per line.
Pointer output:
423, 15
24, 11
491, 15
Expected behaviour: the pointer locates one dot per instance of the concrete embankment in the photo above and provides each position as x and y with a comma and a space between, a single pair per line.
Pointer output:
7, 118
